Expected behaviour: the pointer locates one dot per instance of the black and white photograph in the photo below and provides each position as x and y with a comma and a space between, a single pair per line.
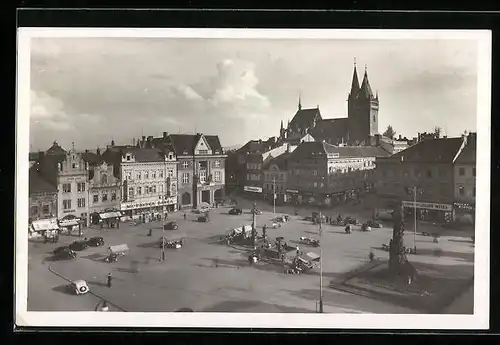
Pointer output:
253, 178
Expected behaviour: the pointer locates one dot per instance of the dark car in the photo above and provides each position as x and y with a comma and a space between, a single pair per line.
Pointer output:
350, 220
374, 224
96, 242
78, 245
64, 253
171, 226
203, 219
236, 211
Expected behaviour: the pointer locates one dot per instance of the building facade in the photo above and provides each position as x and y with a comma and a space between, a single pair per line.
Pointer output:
420, 177
324, 175
104, 187
275, 173
72, 182
465, 182
42, 196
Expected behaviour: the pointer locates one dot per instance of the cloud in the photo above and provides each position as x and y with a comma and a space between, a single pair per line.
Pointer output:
48, 112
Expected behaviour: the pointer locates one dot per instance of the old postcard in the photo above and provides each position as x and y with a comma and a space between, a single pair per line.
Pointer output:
253, 178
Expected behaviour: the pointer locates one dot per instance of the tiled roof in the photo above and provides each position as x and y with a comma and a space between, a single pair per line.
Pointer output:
468, 154
333, 130
309, 149
304, 118
356, 151
33, 156
145, 154
187, 143
38, 184
441, 150
92, 158
256, 146
280, 161
55, 149
47, 167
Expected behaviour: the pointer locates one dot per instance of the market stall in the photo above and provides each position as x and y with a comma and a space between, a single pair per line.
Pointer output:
71, 224
111, 219
43, 228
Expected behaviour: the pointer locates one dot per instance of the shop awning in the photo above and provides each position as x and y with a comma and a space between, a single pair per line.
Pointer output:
69, 222
45, 224
108, 215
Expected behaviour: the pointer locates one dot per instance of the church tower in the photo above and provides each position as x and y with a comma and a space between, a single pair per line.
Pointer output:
362, 110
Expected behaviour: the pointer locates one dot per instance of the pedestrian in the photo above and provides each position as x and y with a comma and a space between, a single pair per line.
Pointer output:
298, 250
150, 232
264, 228
184, 215
104, 306
109, 280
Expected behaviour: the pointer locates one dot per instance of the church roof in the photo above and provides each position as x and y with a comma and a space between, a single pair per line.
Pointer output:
366, 90
355, 82
304, 118
333, 130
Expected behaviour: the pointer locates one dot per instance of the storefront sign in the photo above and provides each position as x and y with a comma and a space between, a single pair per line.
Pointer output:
428, 206
292, 191
69, 211
252, 189
464, 206
131, 206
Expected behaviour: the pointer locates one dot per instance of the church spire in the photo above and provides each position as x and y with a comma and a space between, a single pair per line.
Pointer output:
300, 103
366, 89
355, 81
281, 128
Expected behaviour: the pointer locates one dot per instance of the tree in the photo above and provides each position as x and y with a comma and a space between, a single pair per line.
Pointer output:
397, 255
389, 132
437, 132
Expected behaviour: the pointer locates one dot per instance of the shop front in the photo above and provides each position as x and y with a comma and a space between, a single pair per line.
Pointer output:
110, 219
253, 192
147, 211
43, 228
428, 211
465, 213
70, 224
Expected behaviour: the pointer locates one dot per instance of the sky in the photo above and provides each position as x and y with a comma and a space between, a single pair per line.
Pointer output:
93, 90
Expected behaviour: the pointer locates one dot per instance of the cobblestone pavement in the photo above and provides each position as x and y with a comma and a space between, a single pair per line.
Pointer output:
190, 279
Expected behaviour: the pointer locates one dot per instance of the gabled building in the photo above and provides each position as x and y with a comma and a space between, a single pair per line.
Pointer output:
42, 195
275, 173
465, 181
426, 168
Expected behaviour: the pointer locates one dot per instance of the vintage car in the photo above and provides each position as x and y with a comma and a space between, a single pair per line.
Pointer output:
256, 211
203, 219
64, 253
78, 287
174, 242
350, 220
307, 261
96, 242
171, 226
236, 211
366, 227
78, 245
309, 241
374, 224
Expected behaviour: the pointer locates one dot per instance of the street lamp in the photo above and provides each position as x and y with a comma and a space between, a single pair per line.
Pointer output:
414, 191
274, 195
320, 266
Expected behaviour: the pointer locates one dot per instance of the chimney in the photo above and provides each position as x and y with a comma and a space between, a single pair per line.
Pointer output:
400, 137
165, 134
112, 143
143, 138
86, 151
133, 142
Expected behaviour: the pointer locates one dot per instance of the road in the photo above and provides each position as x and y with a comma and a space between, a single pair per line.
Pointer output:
190, 279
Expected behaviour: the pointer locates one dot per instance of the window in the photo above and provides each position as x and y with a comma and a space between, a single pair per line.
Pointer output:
81, 187
146, 190
66, 204
128, 175
96, 198
474, 191
161, 189
150, 189
67, 187
74, 166
185, 178
139, 191
34, 210
154, 189
185, 164
160, 173
202, 152
217, 164
113, 196
153, 174
170, 156
138, 175
315, 172
46, 209
146, 175
461, 190
131, 192
170, 173
81, 202
128, 157
217, 176
104, 197
474, 172
203, 176
374, 118
315, 184
461, 171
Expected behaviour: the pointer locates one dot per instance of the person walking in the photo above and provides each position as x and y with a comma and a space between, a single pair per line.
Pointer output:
110, 278
264, 228
184, 215
298, 251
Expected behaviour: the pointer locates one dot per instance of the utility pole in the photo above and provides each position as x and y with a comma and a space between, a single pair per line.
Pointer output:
320, 266
274, 195
415, 219
162, 198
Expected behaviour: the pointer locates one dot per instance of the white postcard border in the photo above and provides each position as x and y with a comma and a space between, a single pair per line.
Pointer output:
480, 318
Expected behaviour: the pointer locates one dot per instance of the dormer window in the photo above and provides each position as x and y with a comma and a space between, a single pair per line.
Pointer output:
128, 157
170, 156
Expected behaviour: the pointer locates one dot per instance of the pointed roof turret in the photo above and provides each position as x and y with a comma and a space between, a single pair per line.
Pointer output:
366, 89
281, 128
300, 103
355, 81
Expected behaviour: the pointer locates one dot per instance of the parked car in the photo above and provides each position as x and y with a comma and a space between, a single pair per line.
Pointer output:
256, 211
366, 227
78, 287
64, 253
350, 220
236, 211
203, 219
96, 242
78, 245
171, 226
374, 224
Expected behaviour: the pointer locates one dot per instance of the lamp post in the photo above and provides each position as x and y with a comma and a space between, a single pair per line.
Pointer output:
320, 266
274, 195
415, 219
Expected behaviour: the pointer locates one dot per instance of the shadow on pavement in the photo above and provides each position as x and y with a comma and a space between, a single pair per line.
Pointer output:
62, 289
154, 244
461, 241
337, 232
217, 262
445, 253
245, 306
97, 283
